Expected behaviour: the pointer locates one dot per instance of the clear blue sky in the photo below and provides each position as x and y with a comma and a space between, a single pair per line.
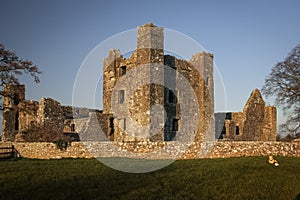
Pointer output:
247, 37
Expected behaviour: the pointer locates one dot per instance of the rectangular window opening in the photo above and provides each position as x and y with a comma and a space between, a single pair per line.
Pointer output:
121, 96
237, 130
172, 96
111, 126
123, 71
31, 124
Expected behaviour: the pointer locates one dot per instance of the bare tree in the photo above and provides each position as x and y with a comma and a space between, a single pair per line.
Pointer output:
284, 83
11, 66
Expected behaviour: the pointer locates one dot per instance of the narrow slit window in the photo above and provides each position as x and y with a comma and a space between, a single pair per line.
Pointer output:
237, 130
175, 125
124, 127
121, 96
17, 121
111, 126
207, 81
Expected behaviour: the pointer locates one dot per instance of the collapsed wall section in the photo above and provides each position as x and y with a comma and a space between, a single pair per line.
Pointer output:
13, 95
50, 114
257, 122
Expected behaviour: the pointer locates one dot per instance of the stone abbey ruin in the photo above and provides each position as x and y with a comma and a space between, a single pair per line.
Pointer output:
132, 109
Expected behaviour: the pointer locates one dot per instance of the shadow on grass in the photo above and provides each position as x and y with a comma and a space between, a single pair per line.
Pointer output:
232, 178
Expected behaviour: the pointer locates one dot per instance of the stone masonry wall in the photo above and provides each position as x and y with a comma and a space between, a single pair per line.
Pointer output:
257, 122
10, 114
138, 107
270, 124
109, 149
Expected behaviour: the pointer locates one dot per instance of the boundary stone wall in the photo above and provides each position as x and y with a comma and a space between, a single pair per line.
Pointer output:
156, 150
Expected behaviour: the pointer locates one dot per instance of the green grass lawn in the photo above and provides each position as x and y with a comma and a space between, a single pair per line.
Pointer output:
232, 178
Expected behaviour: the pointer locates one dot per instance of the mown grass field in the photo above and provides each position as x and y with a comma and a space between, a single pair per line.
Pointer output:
232, 178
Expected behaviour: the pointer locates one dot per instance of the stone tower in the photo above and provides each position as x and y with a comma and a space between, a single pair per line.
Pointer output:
122, 91
14, 94
150, 56
141, 93
203, 62
150, 44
